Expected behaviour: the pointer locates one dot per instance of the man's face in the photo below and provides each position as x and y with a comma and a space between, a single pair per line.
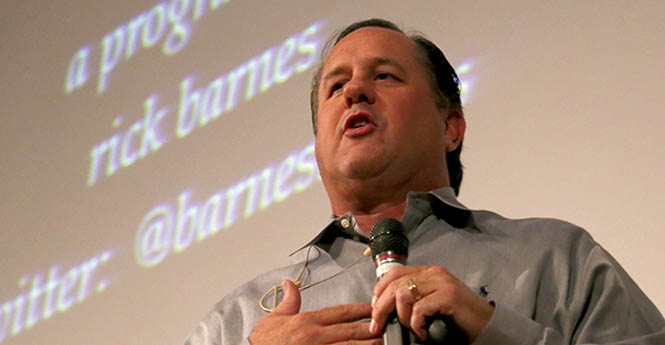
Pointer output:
376, 111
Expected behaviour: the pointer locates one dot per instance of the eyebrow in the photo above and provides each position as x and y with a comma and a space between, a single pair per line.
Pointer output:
374, 62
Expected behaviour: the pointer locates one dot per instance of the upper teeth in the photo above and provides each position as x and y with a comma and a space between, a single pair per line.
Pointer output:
359, 124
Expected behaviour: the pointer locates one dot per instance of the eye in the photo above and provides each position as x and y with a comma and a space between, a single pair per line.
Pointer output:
385, 76
336, 86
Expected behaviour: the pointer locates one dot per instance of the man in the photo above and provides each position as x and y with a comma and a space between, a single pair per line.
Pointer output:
388, 130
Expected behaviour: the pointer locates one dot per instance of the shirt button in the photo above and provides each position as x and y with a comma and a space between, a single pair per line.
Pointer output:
345, 223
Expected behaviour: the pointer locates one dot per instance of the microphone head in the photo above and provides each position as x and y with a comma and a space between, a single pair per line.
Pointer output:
388, 234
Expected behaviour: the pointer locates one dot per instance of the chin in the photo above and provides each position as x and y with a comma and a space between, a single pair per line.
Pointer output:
363, 168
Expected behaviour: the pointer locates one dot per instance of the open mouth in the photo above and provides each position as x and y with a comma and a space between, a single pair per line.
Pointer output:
357, 121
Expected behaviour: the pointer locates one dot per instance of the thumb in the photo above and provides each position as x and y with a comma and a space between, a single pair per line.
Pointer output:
291, 302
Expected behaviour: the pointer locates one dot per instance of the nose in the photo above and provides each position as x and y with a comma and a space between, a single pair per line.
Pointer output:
358, 91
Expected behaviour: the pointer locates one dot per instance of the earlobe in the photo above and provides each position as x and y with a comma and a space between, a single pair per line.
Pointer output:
455, 128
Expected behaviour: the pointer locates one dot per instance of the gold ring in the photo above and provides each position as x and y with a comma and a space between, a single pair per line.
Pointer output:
413, 288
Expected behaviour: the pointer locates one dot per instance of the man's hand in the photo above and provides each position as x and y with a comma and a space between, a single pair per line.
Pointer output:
442, 293
333, 325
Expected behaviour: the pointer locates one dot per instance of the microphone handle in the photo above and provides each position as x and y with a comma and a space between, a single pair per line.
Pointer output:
395, 333
442, 330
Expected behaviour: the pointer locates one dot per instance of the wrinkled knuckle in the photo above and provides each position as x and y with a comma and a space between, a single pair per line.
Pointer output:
402, 296
344, 311
352, 331
394, 287
417, 309
436, 269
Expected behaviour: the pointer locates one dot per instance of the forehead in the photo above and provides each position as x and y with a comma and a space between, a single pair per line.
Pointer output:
371, 44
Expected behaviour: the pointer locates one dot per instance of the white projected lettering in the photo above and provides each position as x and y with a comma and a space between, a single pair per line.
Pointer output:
51, 293
199, 106
167, 22
124, 148
172, 227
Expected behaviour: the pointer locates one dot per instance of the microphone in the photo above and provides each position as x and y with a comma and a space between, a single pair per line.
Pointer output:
390, 248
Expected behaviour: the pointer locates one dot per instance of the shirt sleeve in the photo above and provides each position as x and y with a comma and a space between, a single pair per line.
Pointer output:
605, 307
210, 332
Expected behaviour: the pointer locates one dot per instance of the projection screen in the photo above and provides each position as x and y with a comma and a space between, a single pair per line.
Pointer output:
157, 154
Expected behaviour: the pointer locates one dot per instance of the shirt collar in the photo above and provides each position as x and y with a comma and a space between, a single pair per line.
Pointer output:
446, 206
442, 203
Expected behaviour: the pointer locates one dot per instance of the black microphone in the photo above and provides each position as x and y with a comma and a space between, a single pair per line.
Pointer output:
390, 248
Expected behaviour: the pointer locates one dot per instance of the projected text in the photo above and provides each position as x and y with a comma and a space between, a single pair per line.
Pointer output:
172, 227
199, 106
166, 22
51, 293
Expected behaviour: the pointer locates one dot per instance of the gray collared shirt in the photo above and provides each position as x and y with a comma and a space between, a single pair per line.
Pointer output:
550, 281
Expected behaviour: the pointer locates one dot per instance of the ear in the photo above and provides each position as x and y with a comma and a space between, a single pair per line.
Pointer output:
455, 128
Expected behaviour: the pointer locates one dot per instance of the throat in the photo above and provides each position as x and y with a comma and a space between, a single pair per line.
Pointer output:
367, 220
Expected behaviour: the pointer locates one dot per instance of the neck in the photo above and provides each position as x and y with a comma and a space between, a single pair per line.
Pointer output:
370, 204
367, 220
371, 199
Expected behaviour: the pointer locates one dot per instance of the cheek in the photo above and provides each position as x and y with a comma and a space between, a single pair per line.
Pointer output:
415, 117
321, 151
326, 118
325, 133
423, 124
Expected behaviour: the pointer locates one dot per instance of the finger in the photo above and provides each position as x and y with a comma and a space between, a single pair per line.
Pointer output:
397, 296
464, 307
418, 317
290, 304
373, 341
345, 332
385, 281
418, 273
432, 305
404, 302
342, 313
383, 306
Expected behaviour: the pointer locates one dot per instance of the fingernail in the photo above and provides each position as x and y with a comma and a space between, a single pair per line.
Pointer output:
372, 327
373, 301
